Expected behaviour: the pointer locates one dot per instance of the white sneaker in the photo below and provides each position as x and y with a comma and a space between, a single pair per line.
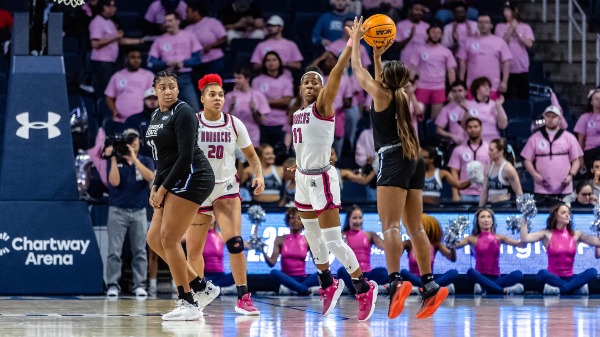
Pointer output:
450, 288
183, 311
207, 295
515, 289
231, 290
477, 289
285, 291
583, 290
112, 291
152, 291
140, 292
550, 290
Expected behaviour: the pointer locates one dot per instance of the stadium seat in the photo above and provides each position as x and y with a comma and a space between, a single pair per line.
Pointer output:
241, 50
517, 109
139, 6
536, 72
314, 6
518, 128
538, 105
71, 45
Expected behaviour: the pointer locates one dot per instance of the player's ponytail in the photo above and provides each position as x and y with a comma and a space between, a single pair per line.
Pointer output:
396, 77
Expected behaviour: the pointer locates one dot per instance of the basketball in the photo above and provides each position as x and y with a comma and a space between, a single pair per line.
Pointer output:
380, 28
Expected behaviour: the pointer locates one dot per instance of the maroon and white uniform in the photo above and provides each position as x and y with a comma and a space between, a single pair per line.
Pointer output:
317, 183
218, 140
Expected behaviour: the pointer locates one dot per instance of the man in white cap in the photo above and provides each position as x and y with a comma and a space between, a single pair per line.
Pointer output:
286, 49
556, 154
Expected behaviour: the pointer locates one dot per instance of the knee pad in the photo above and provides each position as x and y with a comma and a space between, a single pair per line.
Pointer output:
318, 248
235, 245
341, 250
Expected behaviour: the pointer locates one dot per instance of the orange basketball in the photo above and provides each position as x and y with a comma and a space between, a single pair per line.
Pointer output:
380, 28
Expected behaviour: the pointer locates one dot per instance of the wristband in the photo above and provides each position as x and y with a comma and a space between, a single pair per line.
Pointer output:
349, 44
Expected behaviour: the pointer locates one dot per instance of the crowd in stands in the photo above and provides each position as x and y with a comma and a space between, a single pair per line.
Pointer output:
469, 63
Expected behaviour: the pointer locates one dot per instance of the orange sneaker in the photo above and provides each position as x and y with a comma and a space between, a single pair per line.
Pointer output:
399, 291
431, 304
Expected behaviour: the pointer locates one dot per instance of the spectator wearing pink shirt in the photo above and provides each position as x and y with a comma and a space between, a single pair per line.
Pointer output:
352, 114
243, 20
489, 111
177, 51
211, 34
587, 129
475, 148
457, 32
126, 88
278, 89
105, 38
417, 109
247, 104
556, 154
412, 32
448, 122
433, 62
485, 55
156, 12
519, 37
287, 50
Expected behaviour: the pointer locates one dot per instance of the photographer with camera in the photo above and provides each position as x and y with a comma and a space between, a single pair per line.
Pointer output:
129, 176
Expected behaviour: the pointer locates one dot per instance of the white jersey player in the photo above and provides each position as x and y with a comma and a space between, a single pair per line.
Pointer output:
318, 190
218, 136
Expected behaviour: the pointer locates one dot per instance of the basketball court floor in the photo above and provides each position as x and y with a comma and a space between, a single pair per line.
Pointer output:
300, 317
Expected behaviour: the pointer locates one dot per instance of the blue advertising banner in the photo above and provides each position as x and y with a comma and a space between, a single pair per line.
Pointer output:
528, 260
48, 248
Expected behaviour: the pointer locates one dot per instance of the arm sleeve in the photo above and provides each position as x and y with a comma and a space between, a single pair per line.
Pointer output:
255, 58
156, 64
194, 60
580, 126
575, 150
186, 125
528, 151
454, 161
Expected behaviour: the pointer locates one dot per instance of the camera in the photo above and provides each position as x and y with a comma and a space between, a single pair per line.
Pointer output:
119, 143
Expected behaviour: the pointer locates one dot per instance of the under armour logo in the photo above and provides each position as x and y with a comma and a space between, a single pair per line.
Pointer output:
23, 119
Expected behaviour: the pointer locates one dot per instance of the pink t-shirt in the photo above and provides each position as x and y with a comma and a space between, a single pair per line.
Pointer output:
358, 98
463, 34
403, 29
588, 125
337, 46
127, 88
274, 88
156, 12
242, 110
463, 155
344, 91
450, 117
416, 119
553, 168
102, 28
520, 61
178, 47
487, 113
365, 147
288, 50
432, 63
484, 56
207, 31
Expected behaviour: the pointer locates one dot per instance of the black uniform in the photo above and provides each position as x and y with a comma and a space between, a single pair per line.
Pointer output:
181, 166
394, 168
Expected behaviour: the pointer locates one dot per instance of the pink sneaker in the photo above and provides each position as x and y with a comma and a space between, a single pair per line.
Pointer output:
366, 302
246, 307
331, 295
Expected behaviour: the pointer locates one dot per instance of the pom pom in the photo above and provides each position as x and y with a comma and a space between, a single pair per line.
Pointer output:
526, 205
475, 172
256, 214
208, 79
455, 230
595, 225
513, 224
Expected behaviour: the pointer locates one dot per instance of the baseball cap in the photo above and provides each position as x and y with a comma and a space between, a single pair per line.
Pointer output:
131, 132
149, 92
275, 20
552, 108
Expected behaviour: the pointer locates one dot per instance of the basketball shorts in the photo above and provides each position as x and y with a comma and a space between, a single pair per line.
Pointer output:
318, 192
397, 171
197, 186
225, 190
